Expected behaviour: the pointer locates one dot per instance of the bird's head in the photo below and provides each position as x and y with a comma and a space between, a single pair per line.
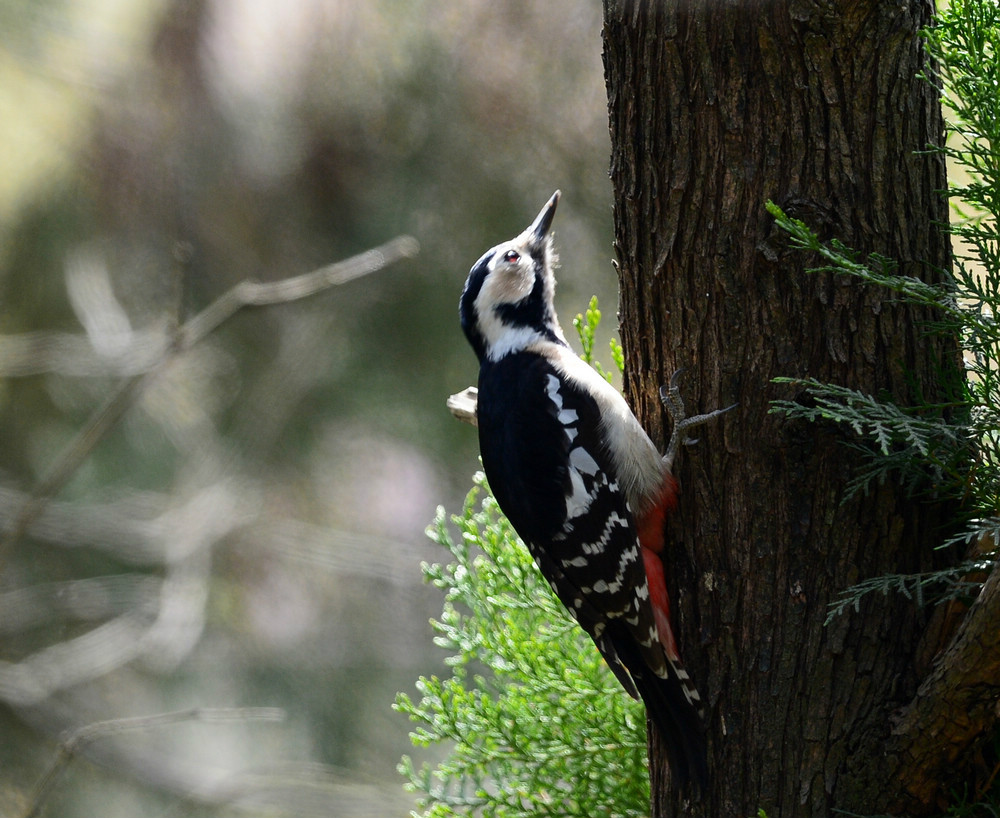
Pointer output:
507, 302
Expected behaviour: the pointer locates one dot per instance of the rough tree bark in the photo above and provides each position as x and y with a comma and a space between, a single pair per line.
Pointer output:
716, 107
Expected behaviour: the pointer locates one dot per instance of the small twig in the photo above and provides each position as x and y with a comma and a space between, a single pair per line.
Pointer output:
463, 405
76, 740
244, 294
256, 294
76, 451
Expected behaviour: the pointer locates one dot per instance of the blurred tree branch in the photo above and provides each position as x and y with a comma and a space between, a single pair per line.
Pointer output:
35, 353
463, 405
76, 740
242, 295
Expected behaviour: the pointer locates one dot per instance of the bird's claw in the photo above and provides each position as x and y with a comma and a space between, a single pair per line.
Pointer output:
670, 397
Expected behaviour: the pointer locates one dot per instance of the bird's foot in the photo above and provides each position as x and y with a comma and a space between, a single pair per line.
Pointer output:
670, 396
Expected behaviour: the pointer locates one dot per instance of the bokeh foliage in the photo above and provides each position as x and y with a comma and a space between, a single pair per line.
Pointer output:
249, 532
534, 720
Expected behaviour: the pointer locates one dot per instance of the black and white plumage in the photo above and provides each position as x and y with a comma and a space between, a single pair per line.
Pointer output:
580, 481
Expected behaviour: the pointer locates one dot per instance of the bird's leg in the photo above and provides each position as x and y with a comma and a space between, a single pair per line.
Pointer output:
670, 396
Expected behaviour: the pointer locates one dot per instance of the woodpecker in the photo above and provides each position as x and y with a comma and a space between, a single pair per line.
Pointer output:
581, 482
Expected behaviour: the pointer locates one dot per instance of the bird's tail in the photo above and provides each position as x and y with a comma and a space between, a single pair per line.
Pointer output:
676, 716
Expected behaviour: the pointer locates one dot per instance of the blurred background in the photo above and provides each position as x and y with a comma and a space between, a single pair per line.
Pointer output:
249, 532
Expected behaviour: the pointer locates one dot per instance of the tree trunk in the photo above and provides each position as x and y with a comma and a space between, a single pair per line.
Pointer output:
716, 107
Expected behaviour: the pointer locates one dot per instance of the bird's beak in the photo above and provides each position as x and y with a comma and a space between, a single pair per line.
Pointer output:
543, 221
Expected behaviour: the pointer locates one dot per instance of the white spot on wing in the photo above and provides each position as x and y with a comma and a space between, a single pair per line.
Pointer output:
567, 417
579, 499
614, 521
552, 390
626, 560
636, 460
581, 460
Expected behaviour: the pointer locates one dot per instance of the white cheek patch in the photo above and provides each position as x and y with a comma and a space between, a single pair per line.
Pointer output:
504, 284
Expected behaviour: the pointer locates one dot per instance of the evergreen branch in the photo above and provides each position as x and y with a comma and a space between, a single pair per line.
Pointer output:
955, 446
880, 271
586, 328
922, 588
546, 729
919, 442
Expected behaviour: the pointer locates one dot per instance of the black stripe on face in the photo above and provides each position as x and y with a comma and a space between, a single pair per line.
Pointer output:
467, 303
530, 311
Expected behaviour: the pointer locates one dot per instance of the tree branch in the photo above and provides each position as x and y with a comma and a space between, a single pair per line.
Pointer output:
244, 294
463, 405
956, 705
76, 740
256, 294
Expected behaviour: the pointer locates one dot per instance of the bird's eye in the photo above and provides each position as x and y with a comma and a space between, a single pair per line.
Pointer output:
511, 257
